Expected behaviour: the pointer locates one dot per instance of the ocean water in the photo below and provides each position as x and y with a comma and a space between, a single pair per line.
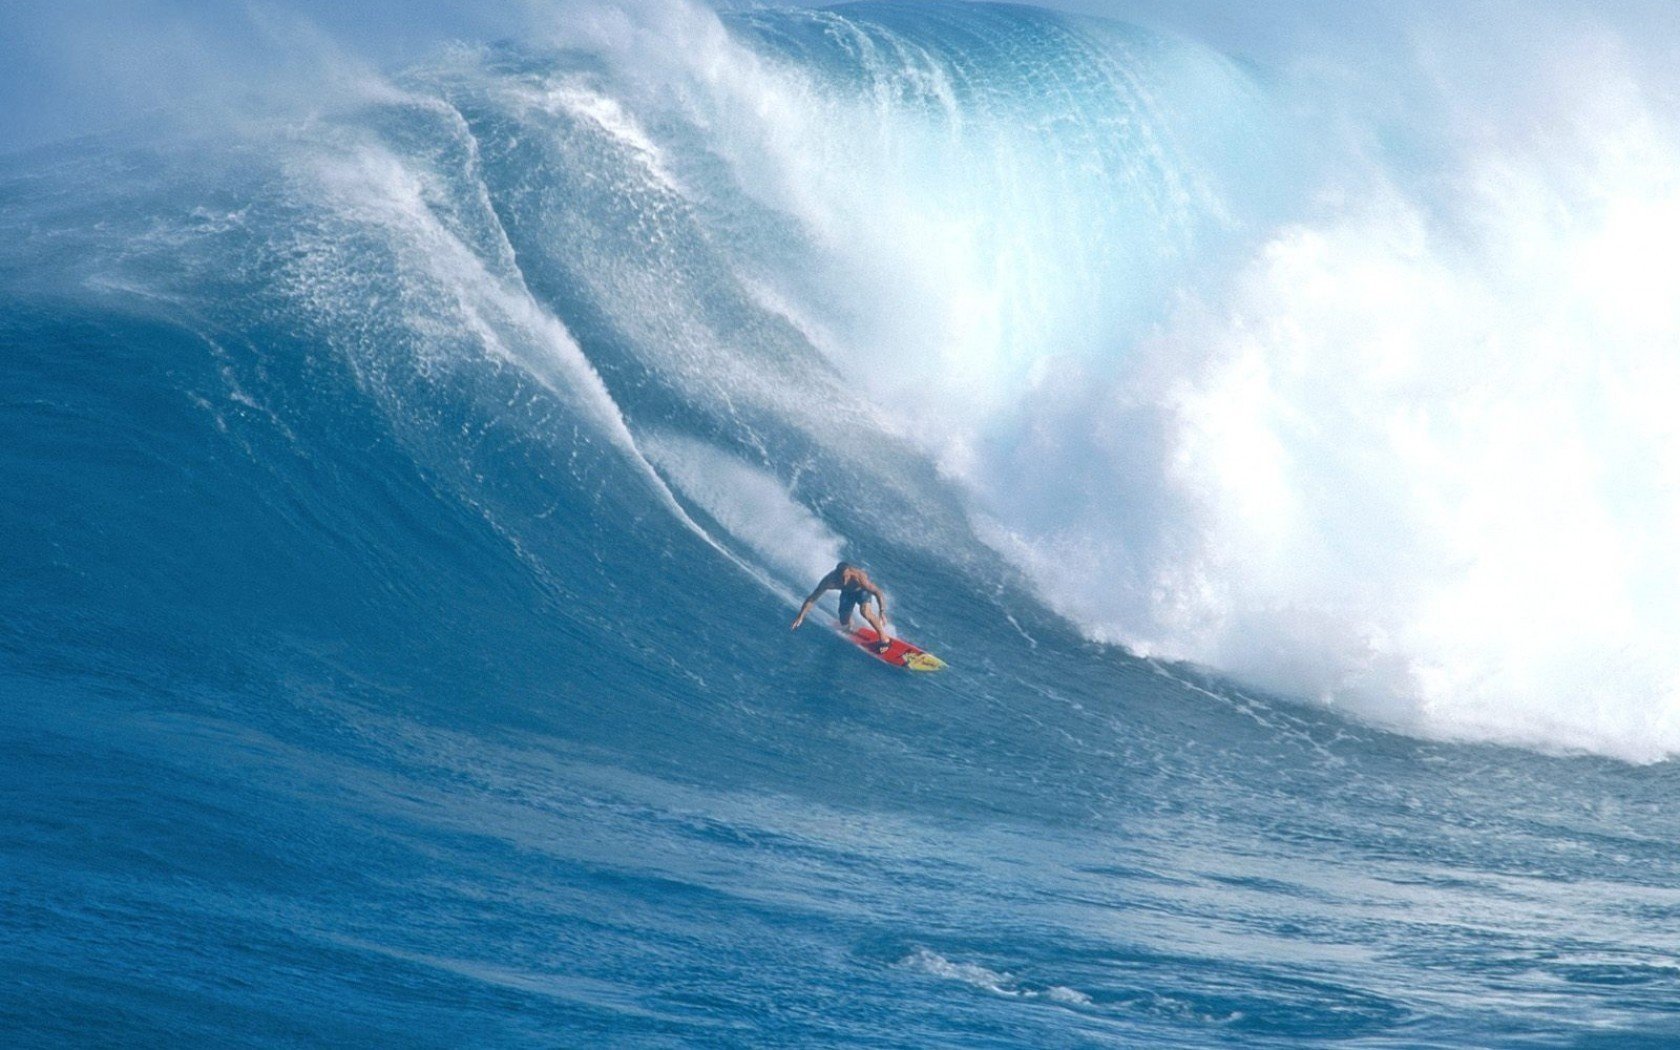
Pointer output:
407, 494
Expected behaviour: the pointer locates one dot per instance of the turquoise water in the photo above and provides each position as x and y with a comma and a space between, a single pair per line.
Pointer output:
406, 505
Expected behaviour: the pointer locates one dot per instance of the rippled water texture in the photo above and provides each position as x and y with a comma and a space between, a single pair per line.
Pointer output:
405, 504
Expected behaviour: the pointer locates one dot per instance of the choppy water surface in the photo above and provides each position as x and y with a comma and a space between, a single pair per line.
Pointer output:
405, 505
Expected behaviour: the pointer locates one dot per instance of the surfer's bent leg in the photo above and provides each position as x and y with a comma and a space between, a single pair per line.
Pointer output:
875, 621
847, 604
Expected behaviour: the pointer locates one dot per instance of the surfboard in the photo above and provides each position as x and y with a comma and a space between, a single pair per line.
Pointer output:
899, 654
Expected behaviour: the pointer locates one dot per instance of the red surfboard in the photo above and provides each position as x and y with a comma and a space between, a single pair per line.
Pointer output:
900, 653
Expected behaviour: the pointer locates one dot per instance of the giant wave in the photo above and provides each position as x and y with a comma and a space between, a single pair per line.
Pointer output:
410, 490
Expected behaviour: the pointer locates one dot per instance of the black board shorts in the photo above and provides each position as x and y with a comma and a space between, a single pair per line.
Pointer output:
851, 599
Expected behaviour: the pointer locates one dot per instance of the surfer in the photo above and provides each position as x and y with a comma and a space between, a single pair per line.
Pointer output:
856, 589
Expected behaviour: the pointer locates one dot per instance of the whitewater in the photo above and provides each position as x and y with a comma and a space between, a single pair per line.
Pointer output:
411, 474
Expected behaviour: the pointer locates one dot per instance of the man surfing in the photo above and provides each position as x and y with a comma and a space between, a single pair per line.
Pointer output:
856, 589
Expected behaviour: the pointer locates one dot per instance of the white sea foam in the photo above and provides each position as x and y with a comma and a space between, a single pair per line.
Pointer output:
1423, 465
575, 97
994, 981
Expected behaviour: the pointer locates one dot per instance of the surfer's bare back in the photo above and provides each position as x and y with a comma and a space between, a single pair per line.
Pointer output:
856, 589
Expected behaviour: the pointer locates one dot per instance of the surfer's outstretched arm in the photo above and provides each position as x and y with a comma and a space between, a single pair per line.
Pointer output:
803, 609
827, 583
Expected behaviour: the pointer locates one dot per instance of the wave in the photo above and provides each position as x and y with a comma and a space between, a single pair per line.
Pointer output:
995, 291
410, 478
1330, 425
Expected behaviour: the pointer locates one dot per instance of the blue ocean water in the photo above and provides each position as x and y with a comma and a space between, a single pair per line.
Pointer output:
406, 503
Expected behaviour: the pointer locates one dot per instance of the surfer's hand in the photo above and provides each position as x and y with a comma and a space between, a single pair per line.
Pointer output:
797, 620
